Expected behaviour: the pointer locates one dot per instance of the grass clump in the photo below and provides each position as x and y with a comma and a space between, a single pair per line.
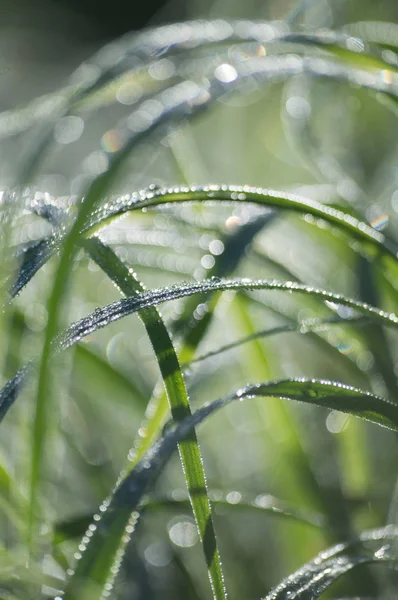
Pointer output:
269, 289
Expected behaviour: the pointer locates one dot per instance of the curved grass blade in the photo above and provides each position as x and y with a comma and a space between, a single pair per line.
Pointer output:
336, 396
174, 384
178, 500
38, 255
309, 582
263, 197
105, 534
117, 310
101, 317
132, 54
341, 46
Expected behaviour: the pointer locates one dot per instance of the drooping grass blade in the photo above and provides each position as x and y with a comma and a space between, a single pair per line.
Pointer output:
117, 310
128, 495
39, 254
309, 582
121, 308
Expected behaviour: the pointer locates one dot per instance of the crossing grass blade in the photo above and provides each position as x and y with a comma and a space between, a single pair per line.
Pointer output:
105, 534
174, 384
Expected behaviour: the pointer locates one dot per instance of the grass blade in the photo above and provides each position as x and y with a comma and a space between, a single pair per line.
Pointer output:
122, 308
38, 254
309, 582
180, 408
103, 316
262, 503
127, 497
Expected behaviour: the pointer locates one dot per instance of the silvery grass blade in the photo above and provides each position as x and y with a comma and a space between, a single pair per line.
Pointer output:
239, 194
38, 254
309, 582
178, 500
173, 381
102, 317
134, 55
102, 541
264, 69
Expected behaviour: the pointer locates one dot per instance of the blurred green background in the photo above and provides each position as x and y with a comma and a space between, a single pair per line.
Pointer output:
330, 141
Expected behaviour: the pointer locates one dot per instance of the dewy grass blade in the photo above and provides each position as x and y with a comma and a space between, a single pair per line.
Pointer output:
42, 251
178, 500
180, 408
236, 194
121, 308
173, 41
129, 494
311, 580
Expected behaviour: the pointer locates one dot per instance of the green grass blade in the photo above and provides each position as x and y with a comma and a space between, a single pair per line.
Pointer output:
180, 408
311, 580
304, 327
128, 495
